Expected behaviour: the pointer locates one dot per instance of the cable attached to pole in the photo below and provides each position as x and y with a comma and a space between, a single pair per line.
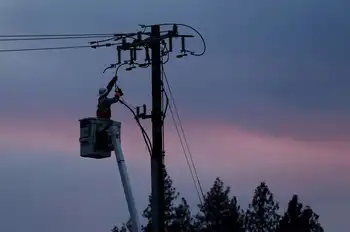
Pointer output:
143, 131
183, 141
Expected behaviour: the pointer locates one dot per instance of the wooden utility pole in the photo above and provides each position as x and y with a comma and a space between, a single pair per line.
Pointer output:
157, 161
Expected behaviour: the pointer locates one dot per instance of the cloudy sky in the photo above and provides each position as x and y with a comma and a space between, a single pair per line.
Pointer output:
268, 102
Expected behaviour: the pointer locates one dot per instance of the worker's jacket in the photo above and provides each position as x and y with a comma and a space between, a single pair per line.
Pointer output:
104, 107
104, 103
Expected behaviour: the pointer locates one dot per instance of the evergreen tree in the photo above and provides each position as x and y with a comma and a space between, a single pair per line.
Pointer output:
299, 219
262, 215
219, 212
171, 195
123, 228
182, 220
289, 221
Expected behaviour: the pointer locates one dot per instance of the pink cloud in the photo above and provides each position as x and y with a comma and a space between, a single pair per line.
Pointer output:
317, 126
242, 158
236, 144
214, 145
54, 135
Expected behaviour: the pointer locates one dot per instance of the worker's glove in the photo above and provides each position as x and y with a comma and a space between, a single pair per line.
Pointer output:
119, 92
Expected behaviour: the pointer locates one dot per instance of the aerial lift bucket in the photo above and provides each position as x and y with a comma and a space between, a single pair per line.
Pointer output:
97, 145
94, 140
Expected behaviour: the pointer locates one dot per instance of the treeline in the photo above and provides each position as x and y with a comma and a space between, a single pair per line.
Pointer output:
219, 212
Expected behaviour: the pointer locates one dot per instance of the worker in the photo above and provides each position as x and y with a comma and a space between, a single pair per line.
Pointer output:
104, 102
104, 112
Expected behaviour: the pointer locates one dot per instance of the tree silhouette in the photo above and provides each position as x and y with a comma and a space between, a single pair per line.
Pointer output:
300, 219
182, 220
262, 215
219, 212
123, 228
171, 195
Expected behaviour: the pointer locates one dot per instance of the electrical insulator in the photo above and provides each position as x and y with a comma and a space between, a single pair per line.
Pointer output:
130, 68
175, 29
148, 59
183, 44
144, 108
170, 44
131, 56
139, 36
163, 51
123, 41
183, 48
135, 53
181, 55
138, 111
119, 55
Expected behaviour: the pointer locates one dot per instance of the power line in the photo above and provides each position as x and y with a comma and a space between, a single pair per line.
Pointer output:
44, 49
58, 35
143, 131
168, 106
57, 48
186, 156
145, 136
8, 39
183, 139
183, 132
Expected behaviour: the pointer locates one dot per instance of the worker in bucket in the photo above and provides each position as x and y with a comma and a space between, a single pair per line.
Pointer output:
104, 112
104, 102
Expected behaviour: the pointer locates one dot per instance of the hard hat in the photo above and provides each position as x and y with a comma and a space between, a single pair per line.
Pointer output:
102, 91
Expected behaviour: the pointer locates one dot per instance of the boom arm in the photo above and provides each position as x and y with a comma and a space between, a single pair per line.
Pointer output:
125, 180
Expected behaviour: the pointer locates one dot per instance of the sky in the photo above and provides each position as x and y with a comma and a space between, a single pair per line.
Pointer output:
269, 101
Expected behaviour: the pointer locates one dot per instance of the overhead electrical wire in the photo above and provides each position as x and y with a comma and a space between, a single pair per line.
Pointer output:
59, 35
38, 37
123, 102
165, 52
8, 39
44, 49
143, 131
186, 157
183, 141
13, 38
57, 48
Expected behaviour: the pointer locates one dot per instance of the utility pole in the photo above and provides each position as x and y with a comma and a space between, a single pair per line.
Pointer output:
157, 161
161, 44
